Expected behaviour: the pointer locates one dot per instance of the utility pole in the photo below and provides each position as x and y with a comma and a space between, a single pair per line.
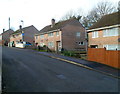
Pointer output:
9, 22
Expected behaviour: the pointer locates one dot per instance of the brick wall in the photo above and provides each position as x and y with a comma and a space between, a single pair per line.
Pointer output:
48, 39
69, 39
100, 41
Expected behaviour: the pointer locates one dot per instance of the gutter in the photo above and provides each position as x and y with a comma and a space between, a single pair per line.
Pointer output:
48, 32
107, 27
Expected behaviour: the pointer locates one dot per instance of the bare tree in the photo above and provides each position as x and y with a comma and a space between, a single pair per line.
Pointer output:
71, 14
104, 8
97, 12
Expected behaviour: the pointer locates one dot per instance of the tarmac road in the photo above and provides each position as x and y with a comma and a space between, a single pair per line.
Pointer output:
26, 71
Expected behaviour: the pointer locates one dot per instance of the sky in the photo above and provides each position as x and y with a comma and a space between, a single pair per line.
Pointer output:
40, 12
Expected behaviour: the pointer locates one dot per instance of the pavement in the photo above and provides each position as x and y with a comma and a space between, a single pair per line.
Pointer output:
87, 64
30, 71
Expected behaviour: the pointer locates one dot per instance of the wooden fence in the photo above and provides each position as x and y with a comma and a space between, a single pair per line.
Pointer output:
107, 57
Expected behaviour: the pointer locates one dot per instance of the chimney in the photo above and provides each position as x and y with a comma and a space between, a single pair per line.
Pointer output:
3, 30
52, 22
20, 27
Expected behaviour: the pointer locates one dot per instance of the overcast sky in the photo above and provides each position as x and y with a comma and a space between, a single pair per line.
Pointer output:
40, 12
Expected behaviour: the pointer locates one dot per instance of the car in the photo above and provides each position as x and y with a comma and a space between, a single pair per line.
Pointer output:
23, 44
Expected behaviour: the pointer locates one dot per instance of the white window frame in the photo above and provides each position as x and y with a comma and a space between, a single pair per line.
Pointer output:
77, 34
111, 32
50, 44
36, 37
41, 36
57, 33
112, 46
95, 34
50, 34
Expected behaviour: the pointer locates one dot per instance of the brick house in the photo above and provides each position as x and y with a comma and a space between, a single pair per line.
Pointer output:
68, 34
5, 37
24, 34
105, 33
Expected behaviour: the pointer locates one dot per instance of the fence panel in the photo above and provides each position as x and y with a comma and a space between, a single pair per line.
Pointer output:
104, 56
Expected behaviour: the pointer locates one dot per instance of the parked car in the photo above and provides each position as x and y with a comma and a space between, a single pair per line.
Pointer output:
23, 44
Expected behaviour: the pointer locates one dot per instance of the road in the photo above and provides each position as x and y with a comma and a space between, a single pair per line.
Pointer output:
25, 70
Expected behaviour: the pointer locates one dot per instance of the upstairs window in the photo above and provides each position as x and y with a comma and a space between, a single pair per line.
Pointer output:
78, 34
41, 36
36, 37
111, 32
57, 33
95, 34
50, 34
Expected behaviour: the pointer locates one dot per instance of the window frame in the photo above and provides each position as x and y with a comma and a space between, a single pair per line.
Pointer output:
95, 34
78, 35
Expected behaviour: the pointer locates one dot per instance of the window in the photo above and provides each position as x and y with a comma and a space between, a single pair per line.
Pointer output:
81, 43
95, 34
111, 32
36, 37
57, 33
50, 34
50, 44
112, 46
41, 36
78, 34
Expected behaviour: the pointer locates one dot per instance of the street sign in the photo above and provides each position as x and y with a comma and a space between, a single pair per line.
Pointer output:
22, 34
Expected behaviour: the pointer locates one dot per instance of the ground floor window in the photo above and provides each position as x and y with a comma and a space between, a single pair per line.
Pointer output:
112, 46
50, 44
81, 43
93, 46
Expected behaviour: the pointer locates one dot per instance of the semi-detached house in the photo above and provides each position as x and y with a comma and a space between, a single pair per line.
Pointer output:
68, 34
105, 33
23, 34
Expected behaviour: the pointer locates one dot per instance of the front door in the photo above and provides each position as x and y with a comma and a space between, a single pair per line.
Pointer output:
58, 46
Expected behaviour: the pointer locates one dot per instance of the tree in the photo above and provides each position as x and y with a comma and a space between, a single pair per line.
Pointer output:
71, 14
102, 8
119, 6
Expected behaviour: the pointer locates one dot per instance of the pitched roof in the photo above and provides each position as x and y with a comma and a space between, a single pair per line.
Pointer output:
10, 30
24, 29
107, 20
60, 25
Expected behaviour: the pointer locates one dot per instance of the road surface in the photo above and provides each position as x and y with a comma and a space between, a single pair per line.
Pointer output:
25, 70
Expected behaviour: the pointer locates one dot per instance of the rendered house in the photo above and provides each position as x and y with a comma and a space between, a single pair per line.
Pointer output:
5, 37
24, 34
105, 33
68, 34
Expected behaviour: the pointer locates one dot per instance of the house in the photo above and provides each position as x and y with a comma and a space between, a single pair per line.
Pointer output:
23, 34
68, 34
5, 37
105, 33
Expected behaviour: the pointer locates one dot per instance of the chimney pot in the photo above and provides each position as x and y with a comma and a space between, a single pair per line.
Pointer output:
3, 30
52, 22
20, 27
